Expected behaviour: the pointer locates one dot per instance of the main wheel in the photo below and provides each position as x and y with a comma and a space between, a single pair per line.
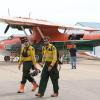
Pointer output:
7, 58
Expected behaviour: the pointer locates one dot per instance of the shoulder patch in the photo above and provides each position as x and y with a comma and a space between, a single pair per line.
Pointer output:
53, 48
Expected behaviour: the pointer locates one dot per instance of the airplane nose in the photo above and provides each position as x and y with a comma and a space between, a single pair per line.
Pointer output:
1, 47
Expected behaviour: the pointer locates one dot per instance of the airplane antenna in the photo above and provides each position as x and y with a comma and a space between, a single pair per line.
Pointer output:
8, 12
29, 14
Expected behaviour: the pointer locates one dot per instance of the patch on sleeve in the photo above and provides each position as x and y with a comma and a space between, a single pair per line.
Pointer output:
53, 48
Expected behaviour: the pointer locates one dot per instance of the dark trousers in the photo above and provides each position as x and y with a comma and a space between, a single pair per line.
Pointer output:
54, 76
27, 65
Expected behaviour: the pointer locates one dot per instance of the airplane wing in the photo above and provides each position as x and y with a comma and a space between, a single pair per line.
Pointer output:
19, 21
94, 43
26, 21
85, 28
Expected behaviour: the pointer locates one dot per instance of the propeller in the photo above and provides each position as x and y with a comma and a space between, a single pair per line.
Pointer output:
6, 28
30, 30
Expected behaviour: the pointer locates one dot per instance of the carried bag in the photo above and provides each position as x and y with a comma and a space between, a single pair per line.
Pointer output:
59, 60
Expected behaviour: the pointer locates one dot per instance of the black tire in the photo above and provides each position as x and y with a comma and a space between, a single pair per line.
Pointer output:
7, 58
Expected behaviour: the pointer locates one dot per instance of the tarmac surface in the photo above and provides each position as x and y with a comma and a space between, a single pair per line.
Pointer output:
82, 83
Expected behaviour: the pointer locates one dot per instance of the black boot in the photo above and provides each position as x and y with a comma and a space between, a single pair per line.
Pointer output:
72, 67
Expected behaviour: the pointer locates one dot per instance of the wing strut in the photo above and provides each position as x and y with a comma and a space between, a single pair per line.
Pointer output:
25, 34
6, 28
40, 32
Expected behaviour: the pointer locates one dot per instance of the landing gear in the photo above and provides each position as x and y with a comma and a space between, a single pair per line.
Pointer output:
6, 58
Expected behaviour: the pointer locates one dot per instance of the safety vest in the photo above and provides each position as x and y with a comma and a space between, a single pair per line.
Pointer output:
49, 54
29, 56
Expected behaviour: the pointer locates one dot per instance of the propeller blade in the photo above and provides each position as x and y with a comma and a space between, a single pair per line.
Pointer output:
30, 31
6, 28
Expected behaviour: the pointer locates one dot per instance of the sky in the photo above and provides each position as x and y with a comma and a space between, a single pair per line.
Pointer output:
59, 11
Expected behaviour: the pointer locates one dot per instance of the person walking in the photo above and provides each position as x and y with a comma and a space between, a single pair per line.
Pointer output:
73, 51
27, 57
49, 60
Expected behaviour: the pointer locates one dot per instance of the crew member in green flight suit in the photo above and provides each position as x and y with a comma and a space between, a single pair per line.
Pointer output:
49, 61
27, 57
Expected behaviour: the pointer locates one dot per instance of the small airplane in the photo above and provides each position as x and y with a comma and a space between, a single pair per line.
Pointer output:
10, 47
41, 28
